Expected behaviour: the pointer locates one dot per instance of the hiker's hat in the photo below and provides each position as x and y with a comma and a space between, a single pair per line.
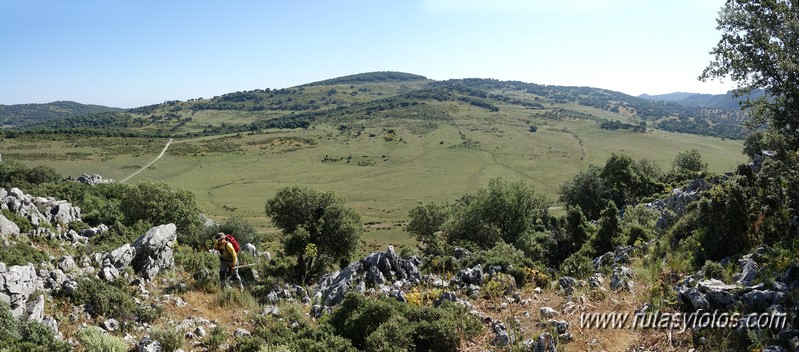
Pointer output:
220, 236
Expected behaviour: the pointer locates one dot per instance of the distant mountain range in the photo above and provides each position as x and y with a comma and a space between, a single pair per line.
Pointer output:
726, 101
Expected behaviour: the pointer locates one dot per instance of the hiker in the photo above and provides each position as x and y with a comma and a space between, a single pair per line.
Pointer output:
227, 261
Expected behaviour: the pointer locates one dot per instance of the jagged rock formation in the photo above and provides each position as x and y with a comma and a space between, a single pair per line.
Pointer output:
375, 269
149, 254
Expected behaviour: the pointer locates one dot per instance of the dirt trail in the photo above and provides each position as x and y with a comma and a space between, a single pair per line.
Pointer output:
150, 163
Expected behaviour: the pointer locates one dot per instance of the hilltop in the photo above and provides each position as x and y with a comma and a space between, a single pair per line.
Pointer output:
357, 96
22, 114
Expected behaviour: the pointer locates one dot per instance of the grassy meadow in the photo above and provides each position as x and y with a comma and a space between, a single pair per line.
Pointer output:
381, 166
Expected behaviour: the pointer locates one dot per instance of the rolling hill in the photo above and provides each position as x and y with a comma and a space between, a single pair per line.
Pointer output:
24, 114
360, 96
384, 141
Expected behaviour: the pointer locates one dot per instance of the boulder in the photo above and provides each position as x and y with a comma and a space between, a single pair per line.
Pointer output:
146, 344
622, 279
596, 280
548, 312
17, 284
567, 284
36, 309
121, 257
111, 325
471, 276
154, 250
695, 298
7, 227
67, 264
502, 338
749, 271
705, 286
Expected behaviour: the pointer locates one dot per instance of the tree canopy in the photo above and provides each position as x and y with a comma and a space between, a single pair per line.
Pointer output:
759, 48
309, 217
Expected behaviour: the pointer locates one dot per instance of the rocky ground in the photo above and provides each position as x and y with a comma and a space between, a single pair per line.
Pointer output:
548, 316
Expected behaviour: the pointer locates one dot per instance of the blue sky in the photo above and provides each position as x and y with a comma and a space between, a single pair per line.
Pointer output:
134, 53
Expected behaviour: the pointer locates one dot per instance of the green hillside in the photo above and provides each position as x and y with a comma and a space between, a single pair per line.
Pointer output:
23, 114
383, 145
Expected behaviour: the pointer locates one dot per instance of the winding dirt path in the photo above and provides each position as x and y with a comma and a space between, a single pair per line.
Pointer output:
150, 163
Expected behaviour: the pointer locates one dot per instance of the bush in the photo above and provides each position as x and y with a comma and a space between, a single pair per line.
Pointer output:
158, 203
36, 337
171, 338
578, 265
118, 235
503, 211
104, 299
373, 323
215, 338
396, 334
234, 299
94, 340
22, 254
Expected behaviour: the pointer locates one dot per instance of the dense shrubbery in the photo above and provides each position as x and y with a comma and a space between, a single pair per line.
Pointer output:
21, 254
14, 174
621, 180
94, 339
110, 301
26, 335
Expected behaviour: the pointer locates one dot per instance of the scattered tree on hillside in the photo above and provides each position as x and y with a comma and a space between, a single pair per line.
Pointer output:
689, 161
502, 212
308, 217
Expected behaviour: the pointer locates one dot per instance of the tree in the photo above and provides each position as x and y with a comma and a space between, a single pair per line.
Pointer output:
759, 49
426, 220
306, 217
503, 211
586, 191
625, 182
237, 226
158, 204
608, 232
689, 161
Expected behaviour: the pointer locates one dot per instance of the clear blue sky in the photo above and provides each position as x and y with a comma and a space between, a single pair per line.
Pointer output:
140, 52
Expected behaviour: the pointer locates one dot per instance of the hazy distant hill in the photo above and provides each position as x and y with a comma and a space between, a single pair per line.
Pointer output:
716, 101
22, 114
397, 95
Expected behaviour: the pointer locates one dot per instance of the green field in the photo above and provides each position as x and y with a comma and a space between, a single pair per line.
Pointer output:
380, 174
383, 145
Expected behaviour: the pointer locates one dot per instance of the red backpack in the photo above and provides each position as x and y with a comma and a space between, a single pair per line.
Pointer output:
233, 241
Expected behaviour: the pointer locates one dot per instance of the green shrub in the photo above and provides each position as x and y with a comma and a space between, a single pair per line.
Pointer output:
235, 299
372, 323
118, 235
713, 270
22, 254
148, 313
104, 299
358, 316
94, 340
578, 265
215, 338
441, 329
396, 334
171, 338
159, 203
8, 325
36, 337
